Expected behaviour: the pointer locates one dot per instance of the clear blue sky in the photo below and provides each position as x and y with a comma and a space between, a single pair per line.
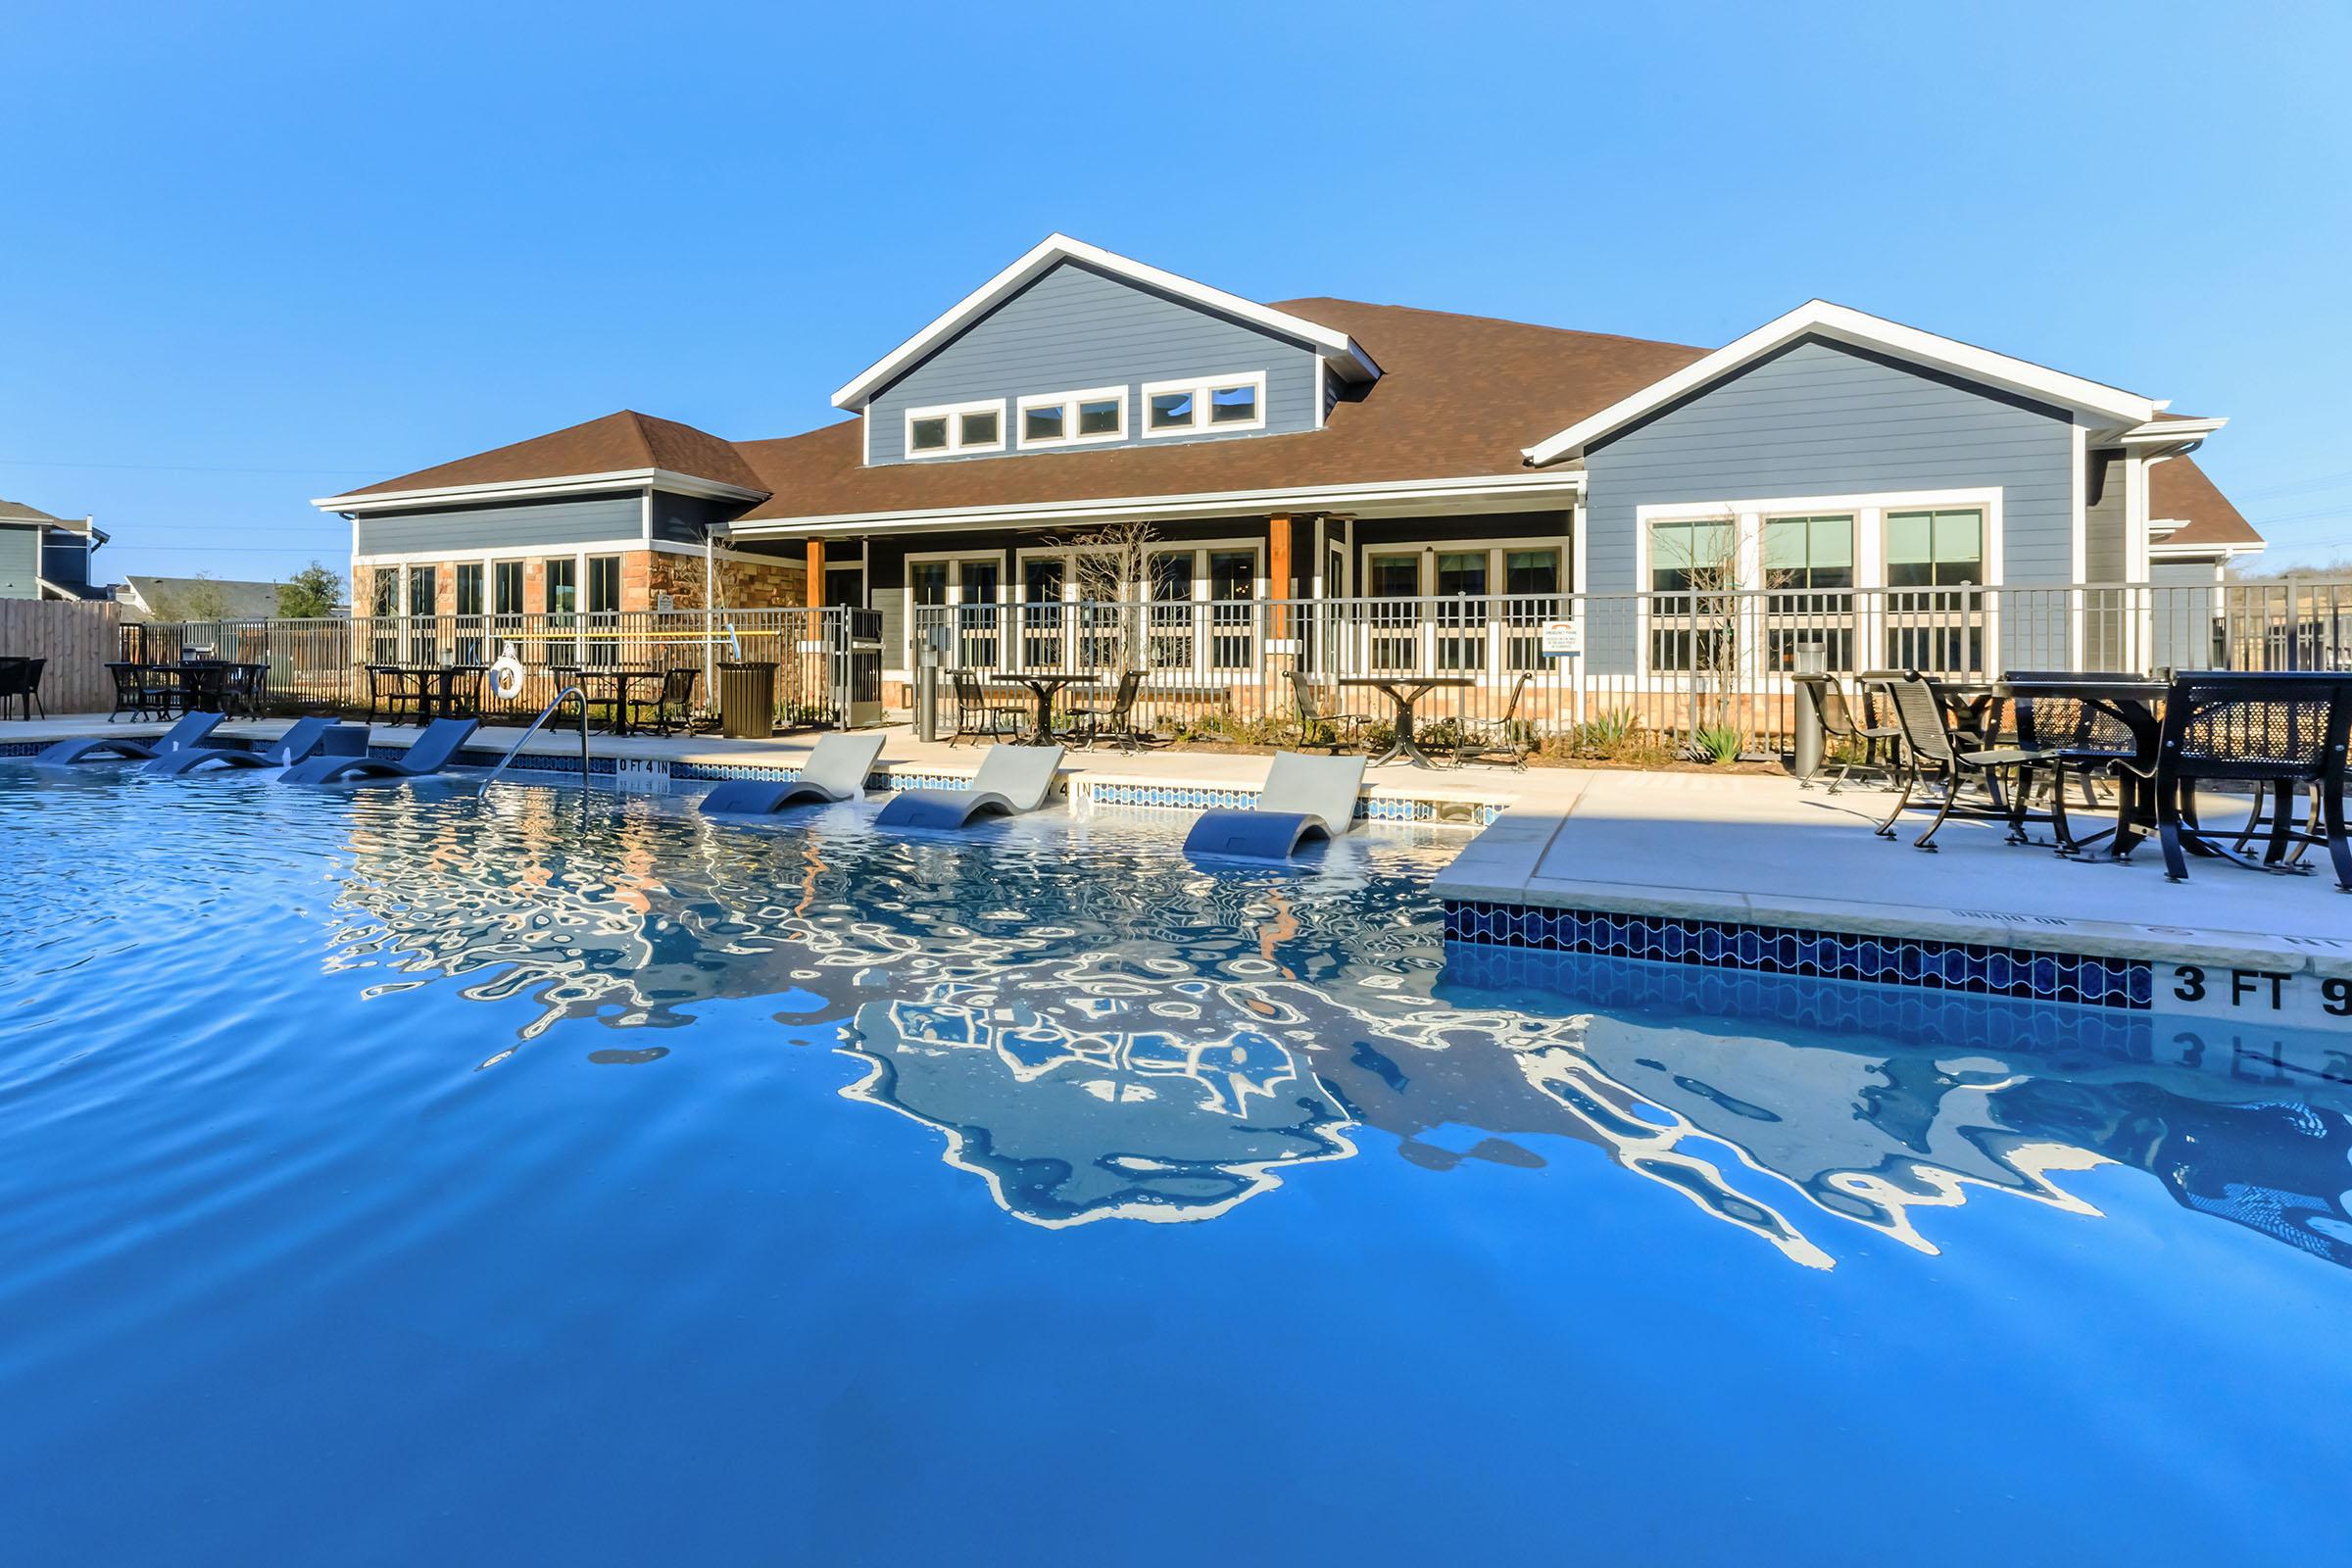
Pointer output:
260, 252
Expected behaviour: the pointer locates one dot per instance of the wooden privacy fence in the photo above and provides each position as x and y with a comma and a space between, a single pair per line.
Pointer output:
76, 638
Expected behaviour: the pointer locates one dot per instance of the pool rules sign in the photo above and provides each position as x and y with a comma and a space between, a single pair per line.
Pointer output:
1563, 639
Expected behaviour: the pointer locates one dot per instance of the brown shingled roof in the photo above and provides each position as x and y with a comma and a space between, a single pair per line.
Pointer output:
2179, 488
618, 442
1459, 396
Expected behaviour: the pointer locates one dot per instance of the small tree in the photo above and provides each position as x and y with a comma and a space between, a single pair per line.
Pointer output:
203, 600
311, 593
1112, 565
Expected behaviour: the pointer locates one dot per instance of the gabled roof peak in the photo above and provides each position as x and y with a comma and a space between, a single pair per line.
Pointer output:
1347, 357
1844, 323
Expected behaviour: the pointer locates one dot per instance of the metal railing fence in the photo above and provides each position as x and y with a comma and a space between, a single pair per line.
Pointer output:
325, 663
1666, 666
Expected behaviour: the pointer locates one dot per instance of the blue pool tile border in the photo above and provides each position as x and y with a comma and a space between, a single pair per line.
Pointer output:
1975, 968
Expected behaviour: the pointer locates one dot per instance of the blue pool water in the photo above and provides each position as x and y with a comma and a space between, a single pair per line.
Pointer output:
409, 1177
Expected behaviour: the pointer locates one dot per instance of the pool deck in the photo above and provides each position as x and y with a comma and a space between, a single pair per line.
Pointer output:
1760, 852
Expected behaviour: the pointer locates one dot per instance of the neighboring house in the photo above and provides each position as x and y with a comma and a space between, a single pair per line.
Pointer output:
146, 598
1318, 449
42, 557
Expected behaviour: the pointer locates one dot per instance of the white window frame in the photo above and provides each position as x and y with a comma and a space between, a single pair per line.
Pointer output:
1201, 386
953, 413
1869, 511
1068, 402
1497, 550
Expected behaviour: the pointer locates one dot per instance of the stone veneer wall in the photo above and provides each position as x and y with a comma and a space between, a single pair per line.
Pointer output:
743, 583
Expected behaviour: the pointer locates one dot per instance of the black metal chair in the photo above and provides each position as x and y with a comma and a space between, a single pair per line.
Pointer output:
1115, 721
1319, 724
1504, 738
1842, 725
1928, 742
2285, 733
21, 680
674, 705
976, 715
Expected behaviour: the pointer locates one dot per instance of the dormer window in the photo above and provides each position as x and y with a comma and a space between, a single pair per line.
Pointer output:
955, 429
1073, 418
1215, 403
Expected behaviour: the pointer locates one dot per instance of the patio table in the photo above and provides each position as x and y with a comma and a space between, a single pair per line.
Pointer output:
2135, 705
432, 688
1404, 692
610, 685
1045, 685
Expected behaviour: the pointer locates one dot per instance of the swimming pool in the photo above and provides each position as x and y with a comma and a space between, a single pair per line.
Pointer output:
411, 1176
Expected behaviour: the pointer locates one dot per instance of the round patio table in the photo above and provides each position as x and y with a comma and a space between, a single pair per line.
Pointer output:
610, 684
1404, 692
1043, 685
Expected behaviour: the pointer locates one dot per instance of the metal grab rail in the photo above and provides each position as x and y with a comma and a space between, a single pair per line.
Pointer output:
544, 714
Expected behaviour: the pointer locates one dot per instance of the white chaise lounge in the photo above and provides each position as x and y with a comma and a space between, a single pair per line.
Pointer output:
1013, 780
836, 770
1303, 797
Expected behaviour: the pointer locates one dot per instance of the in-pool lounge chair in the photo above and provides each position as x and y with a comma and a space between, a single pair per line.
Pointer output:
302, 738
1013, 780
836, 770
1303, 797
187, 735
430, 752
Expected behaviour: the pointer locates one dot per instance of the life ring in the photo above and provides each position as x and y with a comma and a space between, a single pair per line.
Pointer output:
506, 677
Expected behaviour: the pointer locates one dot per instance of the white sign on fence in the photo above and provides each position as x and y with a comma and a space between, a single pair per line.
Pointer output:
1563, 638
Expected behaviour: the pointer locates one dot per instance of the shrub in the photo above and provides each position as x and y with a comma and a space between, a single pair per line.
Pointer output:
1717, 743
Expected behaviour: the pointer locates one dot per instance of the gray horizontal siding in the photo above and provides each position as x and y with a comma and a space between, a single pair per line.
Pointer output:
1076, 328
686, 520
20, 562
1822, 419
520, 527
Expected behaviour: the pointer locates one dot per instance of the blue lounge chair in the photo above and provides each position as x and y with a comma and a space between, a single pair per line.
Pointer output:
836, 770
428, 754
302, 738
1303, 797
188, 734
1013, 780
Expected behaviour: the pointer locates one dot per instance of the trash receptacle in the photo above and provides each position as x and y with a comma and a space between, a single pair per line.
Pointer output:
747, 700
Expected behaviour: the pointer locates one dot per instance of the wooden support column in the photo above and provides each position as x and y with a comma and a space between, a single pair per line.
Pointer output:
1278, 571
817, 588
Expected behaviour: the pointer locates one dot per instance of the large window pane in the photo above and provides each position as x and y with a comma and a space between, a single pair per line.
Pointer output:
1531, 571
469, 588
563, 586
1392, 576
929, 580
1691, 555
509, 588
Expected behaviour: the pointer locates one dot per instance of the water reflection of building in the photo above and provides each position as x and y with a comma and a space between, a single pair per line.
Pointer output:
1148, 1118
1142, 1040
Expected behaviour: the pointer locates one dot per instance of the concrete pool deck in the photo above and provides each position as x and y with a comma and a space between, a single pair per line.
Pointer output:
1677, 852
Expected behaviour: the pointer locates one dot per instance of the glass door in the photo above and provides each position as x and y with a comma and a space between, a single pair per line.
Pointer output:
1173, 644
979, 585
1232, 583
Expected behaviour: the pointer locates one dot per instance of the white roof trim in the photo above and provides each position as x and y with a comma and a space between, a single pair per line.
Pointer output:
530, 489
1844, 324
1352, 361
2171, 432
1565, 484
